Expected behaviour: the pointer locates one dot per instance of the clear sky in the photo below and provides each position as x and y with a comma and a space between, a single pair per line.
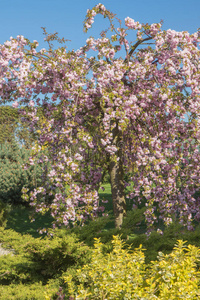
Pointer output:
25, 17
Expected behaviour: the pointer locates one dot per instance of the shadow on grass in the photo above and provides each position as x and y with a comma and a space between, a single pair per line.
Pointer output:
19, 220
19, 216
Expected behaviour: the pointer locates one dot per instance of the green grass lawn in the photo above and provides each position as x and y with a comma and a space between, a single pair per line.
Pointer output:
19, 220
106, 195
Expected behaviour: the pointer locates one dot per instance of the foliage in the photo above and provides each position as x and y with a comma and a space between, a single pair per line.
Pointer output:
175, 275
24, 291
99, 228
109, 276
40, 265
4, 209
52, 256
17, 269
34, 267
9, 117
13, 128
39, 259
132, 231
11, 239
13, 176
122, 274
106, 178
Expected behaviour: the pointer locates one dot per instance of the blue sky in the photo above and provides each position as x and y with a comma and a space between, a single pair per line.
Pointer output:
25, 17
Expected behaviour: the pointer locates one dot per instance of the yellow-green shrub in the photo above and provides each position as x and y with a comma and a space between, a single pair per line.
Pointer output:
122, 274
117, 275
175, 276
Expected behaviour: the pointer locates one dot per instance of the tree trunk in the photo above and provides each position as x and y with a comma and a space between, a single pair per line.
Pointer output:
117, 188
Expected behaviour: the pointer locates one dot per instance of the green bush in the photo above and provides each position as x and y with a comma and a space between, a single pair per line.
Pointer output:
22, 292
39, 259
9, 120
12, 174
176, 276
96, 229
122, 274
11, 239
16, 267
32, 291
133, 233
4, 209
53, 255
35, 266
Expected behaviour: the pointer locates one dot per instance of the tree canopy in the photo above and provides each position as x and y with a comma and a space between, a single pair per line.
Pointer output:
123, 108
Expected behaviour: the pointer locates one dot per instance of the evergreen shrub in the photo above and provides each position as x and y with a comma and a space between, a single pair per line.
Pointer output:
40, 259
4, 209
12, 174
34, 291
96, 229
54, 255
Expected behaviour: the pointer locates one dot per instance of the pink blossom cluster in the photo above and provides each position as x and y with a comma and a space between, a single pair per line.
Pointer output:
99, 8
130, 23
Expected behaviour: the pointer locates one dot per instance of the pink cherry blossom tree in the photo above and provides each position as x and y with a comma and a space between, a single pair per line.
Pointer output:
132, 106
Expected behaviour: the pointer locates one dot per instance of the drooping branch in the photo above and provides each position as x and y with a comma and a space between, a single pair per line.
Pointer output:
133, 48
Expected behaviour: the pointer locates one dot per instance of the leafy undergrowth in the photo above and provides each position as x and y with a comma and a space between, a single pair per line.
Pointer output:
42, 266
55, 267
